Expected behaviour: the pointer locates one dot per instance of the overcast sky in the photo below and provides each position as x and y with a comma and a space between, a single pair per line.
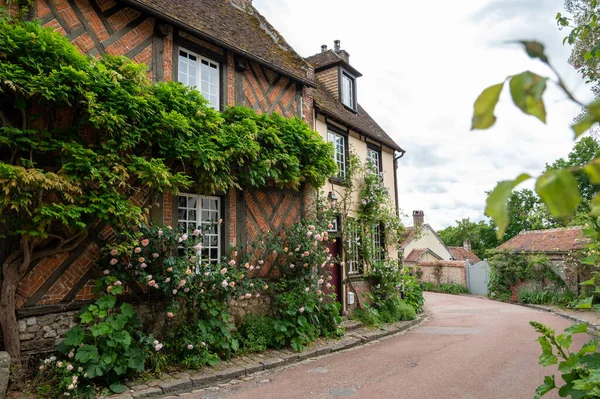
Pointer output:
424, 63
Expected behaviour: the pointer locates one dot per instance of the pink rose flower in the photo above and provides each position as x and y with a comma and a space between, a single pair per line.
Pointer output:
266, 287
137, 250
149, 277
320, 281
220, 221
151, 283
170, 269
113, 261
141, 259
330, 226
232, 284
170, 315
190, 346
292, 266
257, 295
160, 233
156, 286
301, 309
257, 267
114, 252
168, 279
143, 265
155, 255
106, 272
307, 289
145, 242
248, 295
329, 278
231, 262
251, 268
196, 233
328, 285
224, 283
224, 270
311, 227
309, 234
186, 290
174, 292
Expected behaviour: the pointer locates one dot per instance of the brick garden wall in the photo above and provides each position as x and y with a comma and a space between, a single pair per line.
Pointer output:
451, 271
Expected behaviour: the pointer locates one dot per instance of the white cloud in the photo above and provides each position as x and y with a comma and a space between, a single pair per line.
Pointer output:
424, 63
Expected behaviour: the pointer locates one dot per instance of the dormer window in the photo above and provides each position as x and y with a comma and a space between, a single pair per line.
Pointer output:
348, 90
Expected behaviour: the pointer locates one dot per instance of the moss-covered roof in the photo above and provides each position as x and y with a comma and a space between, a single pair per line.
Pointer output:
243, 31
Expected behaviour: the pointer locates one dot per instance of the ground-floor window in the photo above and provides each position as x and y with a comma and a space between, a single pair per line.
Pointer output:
378, 242
353, 249
203, 213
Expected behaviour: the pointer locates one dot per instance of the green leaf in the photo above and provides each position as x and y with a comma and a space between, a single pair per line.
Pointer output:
86, 353
559, 190
526, 90
595, 205
101, 329
483, 112
592, 169
564, 340
535, 50
579, 328
585, 303
106, 302
117, 387
235, 345
546, 387
569, 364
547, 357
74, 336
497, 207
582, 126
127, 310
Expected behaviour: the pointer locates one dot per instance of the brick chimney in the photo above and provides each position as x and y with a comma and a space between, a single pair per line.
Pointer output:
467, 245
342, 53
418, 218
241, 3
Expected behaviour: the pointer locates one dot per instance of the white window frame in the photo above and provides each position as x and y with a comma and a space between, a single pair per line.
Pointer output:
378, 249
183, 76
201, 224
376, 160
339, 151
348, 89
352, 250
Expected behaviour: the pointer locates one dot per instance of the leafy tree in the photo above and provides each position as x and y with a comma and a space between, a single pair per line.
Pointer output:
585, 150
79, 137
482, 235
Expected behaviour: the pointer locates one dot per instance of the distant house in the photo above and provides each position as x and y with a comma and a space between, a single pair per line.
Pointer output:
557, 244
423, 244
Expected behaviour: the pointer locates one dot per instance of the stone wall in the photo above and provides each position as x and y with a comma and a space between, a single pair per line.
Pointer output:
454, 272
360, 287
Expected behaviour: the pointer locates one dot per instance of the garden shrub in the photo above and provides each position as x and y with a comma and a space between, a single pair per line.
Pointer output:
106, 347
257, 333
446, 288
545, 296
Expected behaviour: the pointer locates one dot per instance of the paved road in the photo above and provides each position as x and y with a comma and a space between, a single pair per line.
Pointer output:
469, 348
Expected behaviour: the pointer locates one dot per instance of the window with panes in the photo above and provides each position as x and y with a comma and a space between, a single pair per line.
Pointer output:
201, 73
378, 240
353, 249
375, 158
339, 153
202, 213
348, 90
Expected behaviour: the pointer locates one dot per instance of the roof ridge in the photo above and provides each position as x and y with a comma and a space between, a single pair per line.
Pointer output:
551, 230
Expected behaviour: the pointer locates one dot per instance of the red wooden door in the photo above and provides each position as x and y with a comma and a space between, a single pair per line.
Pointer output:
336, 273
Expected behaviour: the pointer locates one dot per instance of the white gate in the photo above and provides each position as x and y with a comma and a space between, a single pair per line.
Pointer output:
478, 276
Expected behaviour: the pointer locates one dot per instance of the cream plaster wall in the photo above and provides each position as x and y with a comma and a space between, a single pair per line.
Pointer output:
427, 239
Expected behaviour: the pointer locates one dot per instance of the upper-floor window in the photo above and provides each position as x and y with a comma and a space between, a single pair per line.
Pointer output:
202, 213
348, 90
339, 146
375, 157
201, 73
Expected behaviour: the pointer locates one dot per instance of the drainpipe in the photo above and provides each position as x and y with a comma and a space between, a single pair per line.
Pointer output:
396, 158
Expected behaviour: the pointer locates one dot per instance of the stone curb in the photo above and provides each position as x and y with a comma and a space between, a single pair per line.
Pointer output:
592, 328
357, 337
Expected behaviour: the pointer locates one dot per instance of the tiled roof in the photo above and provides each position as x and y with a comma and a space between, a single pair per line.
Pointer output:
415, 254
407, 236
360, 121
553, 240
246, 32
460, 253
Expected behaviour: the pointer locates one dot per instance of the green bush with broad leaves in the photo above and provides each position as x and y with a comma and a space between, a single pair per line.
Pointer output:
559, 190
107, 346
